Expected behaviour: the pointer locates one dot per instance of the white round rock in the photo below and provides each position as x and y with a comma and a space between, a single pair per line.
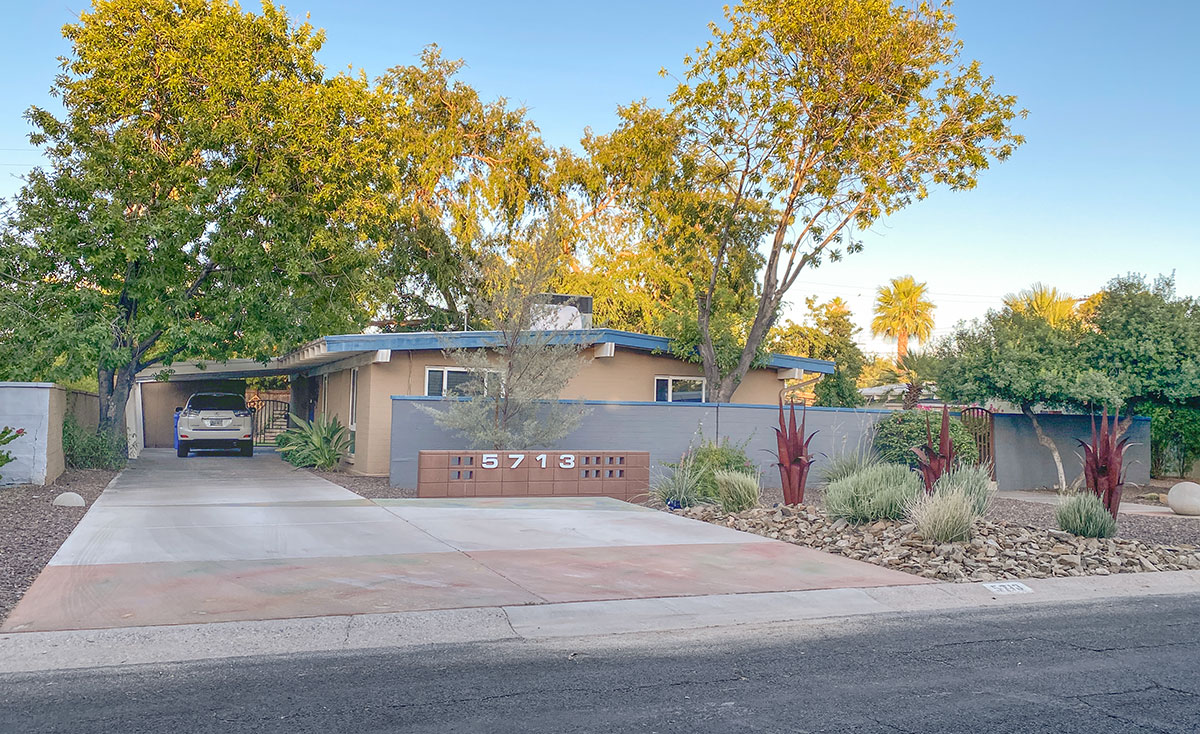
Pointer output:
68, 499
1184, 498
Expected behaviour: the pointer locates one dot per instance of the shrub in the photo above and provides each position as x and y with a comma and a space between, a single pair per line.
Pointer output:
737, 491
1174, 438
943, 517
87, 449
681, 487
711, 457
320, 444
1085, 515
847, 465
897, 434
877, 493
973, 481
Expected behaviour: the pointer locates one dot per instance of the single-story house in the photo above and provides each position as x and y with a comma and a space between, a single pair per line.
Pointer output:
355, 376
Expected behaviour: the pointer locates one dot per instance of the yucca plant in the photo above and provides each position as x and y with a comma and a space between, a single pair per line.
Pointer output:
793, 457
320, 443
681, 488
1102, 461
935, 461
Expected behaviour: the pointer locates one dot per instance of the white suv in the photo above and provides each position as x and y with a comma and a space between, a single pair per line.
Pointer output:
215, 420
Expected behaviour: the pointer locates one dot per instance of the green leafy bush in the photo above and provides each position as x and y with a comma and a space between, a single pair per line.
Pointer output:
320, 444
1085, 515
1174, 438
973, 481
737, 491
8, 434
877, 493
943, 517
897, 434
845, 465
87, 449
681, 487
711, 457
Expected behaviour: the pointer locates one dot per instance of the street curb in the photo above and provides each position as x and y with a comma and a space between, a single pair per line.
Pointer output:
40, 651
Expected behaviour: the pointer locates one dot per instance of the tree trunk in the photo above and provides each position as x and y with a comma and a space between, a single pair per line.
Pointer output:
114, 388
1048, 442
912, 395
901, 346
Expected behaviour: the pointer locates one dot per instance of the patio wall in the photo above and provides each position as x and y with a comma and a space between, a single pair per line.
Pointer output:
37, 407
1023, 463
666, 430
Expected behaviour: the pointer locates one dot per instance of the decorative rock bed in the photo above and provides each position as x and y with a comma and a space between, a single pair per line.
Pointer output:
996, 550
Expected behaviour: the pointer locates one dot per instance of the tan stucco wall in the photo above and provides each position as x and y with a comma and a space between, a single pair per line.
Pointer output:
626, 376
160, 399
55, 460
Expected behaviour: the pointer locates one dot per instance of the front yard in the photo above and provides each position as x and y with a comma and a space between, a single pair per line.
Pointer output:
999, 548
32, 529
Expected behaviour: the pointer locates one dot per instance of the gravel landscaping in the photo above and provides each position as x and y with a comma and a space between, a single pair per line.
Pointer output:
373, 488
32, 529
998, 549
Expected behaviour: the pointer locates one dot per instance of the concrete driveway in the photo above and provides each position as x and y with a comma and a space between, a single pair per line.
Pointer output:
216, 538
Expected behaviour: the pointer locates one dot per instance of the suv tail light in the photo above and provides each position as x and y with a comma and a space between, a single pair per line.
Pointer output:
241, 413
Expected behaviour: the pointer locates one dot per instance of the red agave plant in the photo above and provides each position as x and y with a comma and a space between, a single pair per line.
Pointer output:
794, 458
935, 462
1102, 470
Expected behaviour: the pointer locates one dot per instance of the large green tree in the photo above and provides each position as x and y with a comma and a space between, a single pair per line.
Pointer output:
200, 197
827, 332
1021, 358
805, 120
462, 176
1147, 339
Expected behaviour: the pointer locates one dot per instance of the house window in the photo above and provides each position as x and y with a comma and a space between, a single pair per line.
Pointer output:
442, 381
679, 389
353, 421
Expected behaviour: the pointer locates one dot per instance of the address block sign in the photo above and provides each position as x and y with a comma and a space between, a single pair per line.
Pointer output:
623, 475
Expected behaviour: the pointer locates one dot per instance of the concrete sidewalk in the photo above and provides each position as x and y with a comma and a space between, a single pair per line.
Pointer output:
223, 539
751, 613
1053, 498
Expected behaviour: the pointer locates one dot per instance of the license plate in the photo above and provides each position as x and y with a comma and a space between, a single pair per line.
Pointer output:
214, 423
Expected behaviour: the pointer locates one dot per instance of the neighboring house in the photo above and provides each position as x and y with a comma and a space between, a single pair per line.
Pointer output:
354, 377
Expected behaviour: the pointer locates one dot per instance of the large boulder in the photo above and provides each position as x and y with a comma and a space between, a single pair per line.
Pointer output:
1184, 498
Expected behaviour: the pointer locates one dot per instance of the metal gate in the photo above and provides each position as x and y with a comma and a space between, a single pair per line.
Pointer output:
270, 419
980, 423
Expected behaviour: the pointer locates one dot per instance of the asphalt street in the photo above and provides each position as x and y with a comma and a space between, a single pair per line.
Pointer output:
1126, 666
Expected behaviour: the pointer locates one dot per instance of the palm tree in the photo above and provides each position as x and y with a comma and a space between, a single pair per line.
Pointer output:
901, 312
1044, 301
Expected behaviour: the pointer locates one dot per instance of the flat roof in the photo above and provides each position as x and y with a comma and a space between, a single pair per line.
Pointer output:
337, 347
429, 340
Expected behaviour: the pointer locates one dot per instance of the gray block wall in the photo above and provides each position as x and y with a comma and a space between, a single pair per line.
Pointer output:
665, 430
1023, 463
37, 455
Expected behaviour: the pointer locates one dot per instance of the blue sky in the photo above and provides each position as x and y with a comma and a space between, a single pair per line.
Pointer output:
1105, 184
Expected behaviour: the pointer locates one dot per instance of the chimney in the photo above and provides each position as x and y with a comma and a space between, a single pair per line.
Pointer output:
559, 311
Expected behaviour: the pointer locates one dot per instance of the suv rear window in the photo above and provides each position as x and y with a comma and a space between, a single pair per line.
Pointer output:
217, 402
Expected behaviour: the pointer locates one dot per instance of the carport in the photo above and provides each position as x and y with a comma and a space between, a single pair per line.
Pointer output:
154, 400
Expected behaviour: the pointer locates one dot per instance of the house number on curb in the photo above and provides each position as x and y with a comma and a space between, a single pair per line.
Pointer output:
1008, 587
492, 461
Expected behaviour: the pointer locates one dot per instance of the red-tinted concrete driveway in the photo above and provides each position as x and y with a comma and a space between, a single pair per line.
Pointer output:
206, 539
